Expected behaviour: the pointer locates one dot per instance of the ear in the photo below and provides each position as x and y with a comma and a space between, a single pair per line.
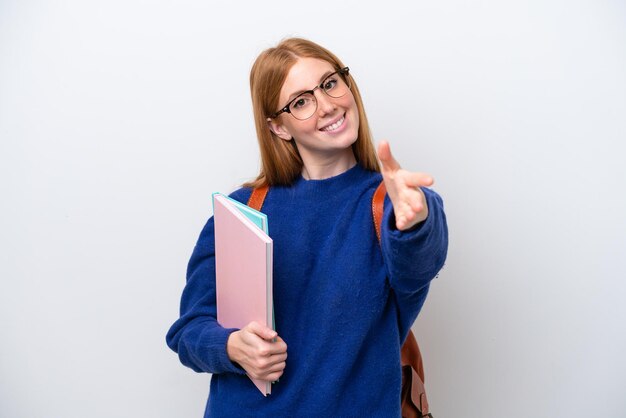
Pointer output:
279, 129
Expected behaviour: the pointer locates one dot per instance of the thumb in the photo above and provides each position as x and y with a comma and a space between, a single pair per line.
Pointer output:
262, 331
387, 160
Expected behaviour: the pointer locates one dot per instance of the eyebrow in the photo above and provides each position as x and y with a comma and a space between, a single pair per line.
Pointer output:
322, 78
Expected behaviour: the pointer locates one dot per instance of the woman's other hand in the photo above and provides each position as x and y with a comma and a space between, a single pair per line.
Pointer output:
253, 348
403, 187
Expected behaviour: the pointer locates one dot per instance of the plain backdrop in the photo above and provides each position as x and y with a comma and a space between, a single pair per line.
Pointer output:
118, 120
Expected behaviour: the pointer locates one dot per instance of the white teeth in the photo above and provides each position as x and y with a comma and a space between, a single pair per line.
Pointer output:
334, 125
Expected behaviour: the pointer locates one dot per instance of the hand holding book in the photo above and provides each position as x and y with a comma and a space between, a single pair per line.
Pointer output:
259, 350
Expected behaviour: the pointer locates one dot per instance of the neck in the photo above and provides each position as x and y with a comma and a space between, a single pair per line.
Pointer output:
321, 169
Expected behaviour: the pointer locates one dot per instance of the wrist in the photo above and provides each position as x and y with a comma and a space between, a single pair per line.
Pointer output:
232, 346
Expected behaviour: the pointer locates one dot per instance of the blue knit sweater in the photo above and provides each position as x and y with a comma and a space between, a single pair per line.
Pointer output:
342, 305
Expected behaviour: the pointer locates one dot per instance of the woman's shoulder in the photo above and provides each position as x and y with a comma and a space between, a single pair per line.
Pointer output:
241, 194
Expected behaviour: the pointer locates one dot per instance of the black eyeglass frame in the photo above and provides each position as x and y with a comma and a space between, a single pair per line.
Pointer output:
342, 71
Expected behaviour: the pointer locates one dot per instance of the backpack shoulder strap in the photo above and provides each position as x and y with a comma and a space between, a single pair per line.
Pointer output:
258, 197
378, 207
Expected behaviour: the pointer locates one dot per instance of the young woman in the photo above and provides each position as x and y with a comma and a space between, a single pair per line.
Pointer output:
343, 303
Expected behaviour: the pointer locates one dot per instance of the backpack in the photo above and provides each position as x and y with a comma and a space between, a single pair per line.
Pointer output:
413, 401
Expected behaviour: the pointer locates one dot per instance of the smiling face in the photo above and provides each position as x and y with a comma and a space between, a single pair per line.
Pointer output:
325, 139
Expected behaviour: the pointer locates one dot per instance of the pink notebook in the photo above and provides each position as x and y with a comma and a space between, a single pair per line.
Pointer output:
243, 266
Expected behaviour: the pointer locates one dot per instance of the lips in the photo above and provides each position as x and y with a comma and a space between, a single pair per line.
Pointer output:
333, 126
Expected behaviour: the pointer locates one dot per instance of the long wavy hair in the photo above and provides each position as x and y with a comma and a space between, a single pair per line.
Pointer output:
281, 163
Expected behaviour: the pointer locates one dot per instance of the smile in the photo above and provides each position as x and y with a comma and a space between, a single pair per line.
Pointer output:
334, 126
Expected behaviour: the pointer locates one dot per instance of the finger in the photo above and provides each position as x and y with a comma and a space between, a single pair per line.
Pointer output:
262, 364
400, 222
406, 220
413, 199
416, 204
268, 372
274, 360
262, 331
386, 158
412, 206
280, 358
413, 211
274, 376
278, 347
266, 349
278, 367
263, 375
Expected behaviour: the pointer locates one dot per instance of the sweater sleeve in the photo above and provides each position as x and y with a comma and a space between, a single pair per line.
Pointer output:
414, 257
196, 336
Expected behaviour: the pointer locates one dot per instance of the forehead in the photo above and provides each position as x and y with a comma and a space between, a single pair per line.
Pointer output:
305, 74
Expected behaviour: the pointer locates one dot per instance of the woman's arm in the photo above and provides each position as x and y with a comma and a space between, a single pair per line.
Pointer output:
414, 235
196, 336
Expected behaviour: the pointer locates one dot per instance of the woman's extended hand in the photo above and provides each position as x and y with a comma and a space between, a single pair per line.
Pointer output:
403, 187
253, 348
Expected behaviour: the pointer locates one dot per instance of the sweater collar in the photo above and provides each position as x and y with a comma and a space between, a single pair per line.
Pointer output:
331, 185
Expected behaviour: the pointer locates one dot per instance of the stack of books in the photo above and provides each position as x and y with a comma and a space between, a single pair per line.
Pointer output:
243, 267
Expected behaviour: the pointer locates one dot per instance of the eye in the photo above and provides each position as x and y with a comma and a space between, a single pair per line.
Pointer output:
329, 83
301, 102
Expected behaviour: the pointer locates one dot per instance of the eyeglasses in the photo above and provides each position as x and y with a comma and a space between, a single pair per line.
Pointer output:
304, 105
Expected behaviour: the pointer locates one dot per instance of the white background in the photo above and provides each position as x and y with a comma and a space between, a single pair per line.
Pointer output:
119, 118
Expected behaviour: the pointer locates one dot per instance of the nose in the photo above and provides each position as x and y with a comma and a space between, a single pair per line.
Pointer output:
325, 104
